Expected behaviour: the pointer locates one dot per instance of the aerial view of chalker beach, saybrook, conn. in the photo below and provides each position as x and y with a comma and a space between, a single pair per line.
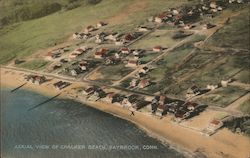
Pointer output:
125, 78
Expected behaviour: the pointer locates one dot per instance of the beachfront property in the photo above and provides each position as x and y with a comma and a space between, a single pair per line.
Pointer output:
36, 79
61, 85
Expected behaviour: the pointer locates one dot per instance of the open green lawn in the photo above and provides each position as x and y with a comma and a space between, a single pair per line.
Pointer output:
245, 107
173, 58
235, 34
243, 76
114, 72
161, 38
148, 57
223, 96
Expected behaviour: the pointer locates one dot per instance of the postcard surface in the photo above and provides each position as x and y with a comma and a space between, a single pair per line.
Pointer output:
125, 78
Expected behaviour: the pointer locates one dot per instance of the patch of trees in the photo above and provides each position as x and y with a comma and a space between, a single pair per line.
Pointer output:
181, 34
93, 1
239, 125
30, 11
27, 10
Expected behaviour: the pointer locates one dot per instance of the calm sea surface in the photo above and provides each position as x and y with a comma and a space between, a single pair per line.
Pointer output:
67, 129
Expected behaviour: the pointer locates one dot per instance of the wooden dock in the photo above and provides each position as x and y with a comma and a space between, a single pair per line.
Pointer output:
46, 101
13, 90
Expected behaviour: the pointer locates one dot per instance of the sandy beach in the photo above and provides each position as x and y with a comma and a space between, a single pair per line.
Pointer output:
223, 144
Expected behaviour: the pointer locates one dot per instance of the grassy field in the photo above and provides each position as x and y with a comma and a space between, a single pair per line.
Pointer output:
34, 64
161, 38
243, 76
203, 69
245, 107
223, 96
148, 57
24, 38
235, 34
173, 58
113, 72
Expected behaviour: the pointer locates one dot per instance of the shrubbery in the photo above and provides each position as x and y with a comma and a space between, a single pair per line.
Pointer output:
30, 11
93, 1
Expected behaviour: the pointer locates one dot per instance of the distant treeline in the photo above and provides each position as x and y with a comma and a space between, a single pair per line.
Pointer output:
21, 11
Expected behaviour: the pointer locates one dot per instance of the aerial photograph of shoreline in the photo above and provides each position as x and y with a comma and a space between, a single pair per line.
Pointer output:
125, 78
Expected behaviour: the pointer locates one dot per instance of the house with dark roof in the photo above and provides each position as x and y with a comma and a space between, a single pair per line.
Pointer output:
89, 90
36, 79
193, 91
61, 84
182, 114
140, 104
129, 37
76, 71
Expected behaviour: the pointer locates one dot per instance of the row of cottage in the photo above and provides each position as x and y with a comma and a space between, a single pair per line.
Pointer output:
38, 79
158, 105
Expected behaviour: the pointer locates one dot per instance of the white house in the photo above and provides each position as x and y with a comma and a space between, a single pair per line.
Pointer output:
212, 87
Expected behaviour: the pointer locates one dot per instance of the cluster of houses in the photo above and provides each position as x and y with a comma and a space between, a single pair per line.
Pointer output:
36, 79
162, 105
79, 51
111, 37
87, 31
119, 39
140, 81
108, 57
81, 36
130, 56
184, 17
56, 53
133, 102
195, 90
159, 105
81, 66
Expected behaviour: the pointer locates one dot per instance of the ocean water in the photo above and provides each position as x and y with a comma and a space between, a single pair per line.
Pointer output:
68, 129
